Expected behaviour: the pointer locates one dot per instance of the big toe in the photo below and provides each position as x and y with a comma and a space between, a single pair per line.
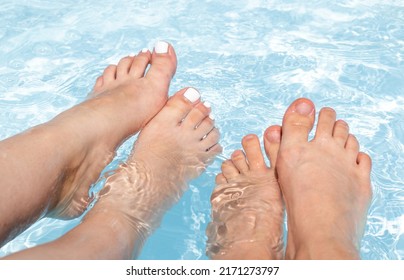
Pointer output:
298, 122
163, 65
180, 104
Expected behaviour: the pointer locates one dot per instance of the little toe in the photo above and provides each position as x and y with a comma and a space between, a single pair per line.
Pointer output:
98, 84
163, 65
352, 146
240, 161
123, 67
325, 125
365, 166
109, 74
252, 148
364, 162
229, 170
340, 132
140, 63
297, 122
220, 179
272, 140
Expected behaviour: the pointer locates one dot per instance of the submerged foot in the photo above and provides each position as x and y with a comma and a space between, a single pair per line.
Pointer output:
173, 148
123, 100
247, 207
325, 184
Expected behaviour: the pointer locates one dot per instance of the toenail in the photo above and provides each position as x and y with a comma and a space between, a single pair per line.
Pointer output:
343, 123
145, 50
304, 108
192, 94
161, 47
207, 104
237, 153
212, 117
274, 136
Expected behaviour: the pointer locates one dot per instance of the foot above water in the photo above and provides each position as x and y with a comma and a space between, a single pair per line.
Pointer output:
124, 99
325, 183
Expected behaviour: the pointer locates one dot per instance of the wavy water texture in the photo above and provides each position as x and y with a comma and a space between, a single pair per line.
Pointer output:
249, 59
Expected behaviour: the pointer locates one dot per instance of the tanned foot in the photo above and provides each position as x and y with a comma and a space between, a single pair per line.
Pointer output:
173, 148
325, 183
123, 101
247, 207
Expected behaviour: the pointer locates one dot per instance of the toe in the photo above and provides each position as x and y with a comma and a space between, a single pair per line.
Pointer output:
272, 140
98, 84
364, 162
365, 165
163, 65
352, 146
297, 122
240, 161
205, 127
140, 63
197, 115
325, 125
213, 151
123, 67
211, 140
109, 74
340, 132
252, 148
229, 170
220, 179
181, 103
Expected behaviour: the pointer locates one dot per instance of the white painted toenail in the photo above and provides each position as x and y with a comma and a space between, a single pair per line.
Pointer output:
212, 117
192, 94
144, 50
161, 47
207, 104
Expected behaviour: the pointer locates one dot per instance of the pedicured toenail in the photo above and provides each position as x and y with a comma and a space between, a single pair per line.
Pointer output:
207, 104
212, 117
161, 47
144, 50
192, 94
304, 108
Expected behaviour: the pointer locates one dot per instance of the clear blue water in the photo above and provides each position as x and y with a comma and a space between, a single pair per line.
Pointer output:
250, 59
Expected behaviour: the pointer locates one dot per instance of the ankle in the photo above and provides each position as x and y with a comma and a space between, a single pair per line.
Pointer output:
127, 235
131, 190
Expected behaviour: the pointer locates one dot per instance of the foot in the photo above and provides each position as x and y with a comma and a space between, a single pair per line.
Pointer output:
325, 184
173, 148
123, 100
247, 207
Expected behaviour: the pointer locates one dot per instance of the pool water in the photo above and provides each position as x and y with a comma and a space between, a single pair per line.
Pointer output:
250, 59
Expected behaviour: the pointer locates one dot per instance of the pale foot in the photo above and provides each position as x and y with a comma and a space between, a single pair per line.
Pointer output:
247, 207
124, 99
325, 184
173, 148
48, 169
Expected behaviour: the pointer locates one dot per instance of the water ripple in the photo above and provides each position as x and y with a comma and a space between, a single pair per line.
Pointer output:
249, 59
